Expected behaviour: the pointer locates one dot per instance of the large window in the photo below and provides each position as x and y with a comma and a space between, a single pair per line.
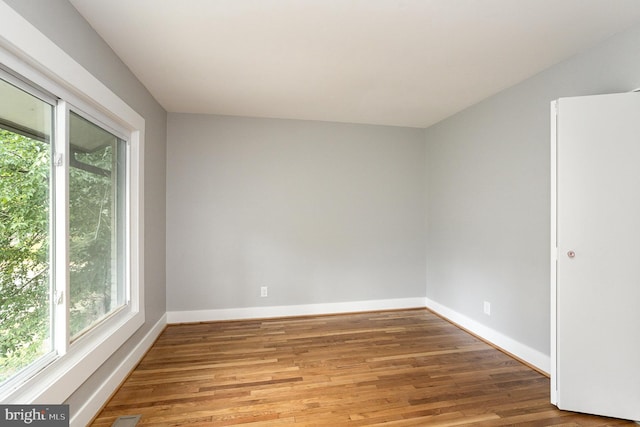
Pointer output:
64, 230
73, 289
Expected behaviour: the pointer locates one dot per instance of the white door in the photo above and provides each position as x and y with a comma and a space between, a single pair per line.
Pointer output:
597, 293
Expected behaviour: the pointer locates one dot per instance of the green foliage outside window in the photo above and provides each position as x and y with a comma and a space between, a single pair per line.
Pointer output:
25, 297
24, 251
90, 246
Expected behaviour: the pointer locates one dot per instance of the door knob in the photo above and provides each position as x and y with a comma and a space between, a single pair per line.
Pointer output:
571, 254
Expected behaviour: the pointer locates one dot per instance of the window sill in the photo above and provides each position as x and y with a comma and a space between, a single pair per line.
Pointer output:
56, 382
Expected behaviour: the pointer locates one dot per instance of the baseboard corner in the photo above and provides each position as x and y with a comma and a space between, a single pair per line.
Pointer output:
530, 356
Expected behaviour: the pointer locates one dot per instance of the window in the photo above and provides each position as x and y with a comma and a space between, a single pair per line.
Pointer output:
87, 303
25, 212
83, 245
64, 230
97, 232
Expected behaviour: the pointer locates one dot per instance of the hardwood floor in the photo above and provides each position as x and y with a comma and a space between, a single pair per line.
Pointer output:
395, 368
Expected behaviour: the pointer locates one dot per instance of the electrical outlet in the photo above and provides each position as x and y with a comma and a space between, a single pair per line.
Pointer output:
264, 291
487, 308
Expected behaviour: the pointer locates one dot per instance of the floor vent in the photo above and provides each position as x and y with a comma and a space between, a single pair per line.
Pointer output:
126, 421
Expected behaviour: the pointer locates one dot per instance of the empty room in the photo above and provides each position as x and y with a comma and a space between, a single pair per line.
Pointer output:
339, 212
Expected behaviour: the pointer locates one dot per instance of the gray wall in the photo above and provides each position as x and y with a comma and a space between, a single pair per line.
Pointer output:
59, 21
488, 193
318, 212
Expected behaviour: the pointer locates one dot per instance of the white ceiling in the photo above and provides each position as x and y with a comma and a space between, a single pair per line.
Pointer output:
392, 62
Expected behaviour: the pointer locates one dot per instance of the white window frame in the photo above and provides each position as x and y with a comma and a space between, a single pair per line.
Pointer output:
28, 52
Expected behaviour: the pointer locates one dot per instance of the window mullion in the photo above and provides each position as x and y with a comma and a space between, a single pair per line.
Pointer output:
61, 229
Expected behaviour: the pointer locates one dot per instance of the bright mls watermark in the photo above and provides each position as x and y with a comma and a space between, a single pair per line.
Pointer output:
34, 415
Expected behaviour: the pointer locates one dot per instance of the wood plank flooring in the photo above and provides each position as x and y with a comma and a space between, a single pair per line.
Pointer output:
395, 368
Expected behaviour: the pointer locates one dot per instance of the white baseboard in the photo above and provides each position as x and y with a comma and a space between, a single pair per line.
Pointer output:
83, 415
292, 310
533, 357
522, 351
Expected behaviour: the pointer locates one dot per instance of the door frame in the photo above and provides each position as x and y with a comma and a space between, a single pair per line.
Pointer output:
553, 250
